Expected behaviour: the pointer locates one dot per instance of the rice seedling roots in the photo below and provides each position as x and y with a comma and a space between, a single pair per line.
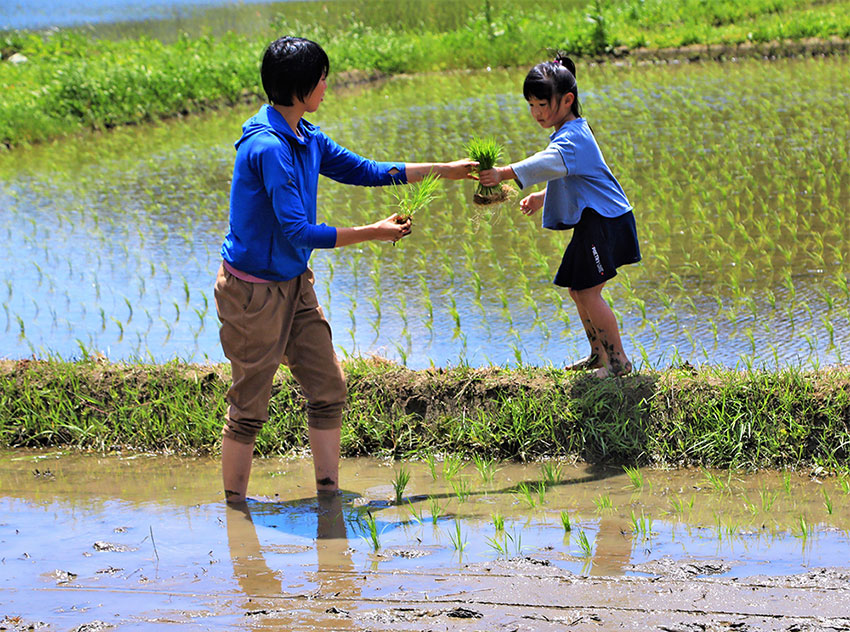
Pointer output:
506, 192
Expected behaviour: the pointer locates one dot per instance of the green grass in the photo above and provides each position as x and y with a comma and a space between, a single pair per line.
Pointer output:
73, 81
713, 418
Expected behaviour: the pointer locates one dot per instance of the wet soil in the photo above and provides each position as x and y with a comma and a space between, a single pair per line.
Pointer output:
145, 542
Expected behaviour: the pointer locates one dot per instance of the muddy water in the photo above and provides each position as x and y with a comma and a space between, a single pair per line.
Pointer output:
133, 541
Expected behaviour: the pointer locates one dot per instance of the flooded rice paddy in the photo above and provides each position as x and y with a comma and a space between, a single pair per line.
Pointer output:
135, 542
738, 173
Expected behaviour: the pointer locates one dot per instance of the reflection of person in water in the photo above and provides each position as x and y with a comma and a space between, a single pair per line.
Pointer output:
263, 587
613, 549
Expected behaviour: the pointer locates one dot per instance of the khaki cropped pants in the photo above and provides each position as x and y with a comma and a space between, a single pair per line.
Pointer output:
264, 325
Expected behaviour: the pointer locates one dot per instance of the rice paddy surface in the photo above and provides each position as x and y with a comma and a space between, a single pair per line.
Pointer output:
737, 171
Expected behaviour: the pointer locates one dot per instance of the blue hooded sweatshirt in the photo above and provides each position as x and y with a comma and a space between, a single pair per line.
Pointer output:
273, 228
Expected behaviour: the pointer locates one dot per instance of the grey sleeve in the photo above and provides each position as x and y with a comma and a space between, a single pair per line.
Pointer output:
541, 167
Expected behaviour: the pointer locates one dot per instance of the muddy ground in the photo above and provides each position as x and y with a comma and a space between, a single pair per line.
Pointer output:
511, 595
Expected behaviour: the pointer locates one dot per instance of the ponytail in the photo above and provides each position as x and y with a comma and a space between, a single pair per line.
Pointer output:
552, 80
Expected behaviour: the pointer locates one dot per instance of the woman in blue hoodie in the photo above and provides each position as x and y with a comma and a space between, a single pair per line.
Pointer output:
264, 290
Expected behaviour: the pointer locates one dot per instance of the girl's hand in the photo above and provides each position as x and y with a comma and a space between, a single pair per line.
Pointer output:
530, 204
390, 230
490, 177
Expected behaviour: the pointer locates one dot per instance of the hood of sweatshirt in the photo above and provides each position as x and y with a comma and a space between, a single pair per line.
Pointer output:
267, 119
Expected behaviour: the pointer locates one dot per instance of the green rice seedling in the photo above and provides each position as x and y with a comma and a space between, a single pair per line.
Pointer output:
715, 481
415, 513
462, 489
680, 505
486, 467
827, 502
584, 544
372, 530
487, 152
642, 526
565, 521
431, 462
635, 477
524, 493
603, 503
499, 545
541, 493
551, 473
452, 464
768, 497
411, 198
457, 538
786, 482
805, 529
436, 509
844, 483
498, 521
402, 478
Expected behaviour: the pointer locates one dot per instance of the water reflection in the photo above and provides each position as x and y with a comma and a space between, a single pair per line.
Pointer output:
334, 576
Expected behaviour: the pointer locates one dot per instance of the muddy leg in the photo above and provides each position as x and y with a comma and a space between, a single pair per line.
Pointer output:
236, 460
598, 358
604, 324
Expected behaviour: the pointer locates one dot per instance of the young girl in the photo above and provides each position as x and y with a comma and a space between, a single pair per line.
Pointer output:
581, 193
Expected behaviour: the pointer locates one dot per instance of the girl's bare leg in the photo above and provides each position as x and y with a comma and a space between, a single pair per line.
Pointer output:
597, 358
604, 325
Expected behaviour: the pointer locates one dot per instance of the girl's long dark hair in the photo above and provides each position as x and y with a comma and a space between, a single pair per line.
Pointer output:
552, 80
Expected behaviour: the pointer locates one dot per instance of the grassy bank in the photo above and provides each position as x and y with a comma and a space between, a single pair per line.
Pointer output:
72, 81
710, 417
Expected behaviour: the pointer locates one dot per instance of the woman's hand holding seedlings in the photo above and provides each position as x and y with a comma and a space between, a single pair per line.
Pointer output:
390, 230
385, 230
530, 204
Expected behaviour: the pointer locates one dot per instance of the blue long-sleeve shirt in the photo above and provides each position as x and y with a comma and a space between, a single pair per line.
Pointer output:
577, 177
273, 225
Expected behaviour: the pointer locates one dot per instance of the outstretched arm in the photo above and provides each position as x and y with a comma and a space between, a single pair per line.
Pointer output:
456, 170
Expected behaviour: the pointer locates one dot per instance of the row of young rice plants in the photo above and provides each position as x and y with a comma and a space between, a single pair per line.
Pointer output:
738, 191
484, 508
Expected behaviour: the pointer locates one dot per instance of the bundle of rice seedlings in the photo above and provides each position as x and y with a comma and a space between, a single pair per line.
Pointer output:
412, 197
486, 152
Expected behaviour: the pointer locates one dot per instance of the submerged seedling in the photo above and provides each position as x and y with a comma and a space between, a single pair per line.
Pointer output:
498, 521
372, 530
551, 473
402, 478
486, 467
635, 476
603, 503
436, 509
457, 538
584, 544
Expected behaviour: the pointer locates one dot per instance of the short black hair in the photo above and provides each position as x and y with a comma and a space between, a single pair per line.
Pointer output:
552, 80
292, 67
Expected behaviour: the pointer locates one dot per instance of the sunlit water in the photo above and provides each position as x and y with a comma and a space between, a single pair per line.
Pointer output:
148, 538
740, 197
41, 14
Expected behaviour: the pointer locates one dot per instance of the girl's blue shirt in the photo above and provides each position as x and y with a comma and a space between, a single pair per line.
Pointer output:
273, 224
577, 177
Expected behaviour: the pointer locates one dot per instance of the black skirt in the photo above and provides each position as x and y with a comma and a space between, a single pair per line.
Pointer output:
599, 246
